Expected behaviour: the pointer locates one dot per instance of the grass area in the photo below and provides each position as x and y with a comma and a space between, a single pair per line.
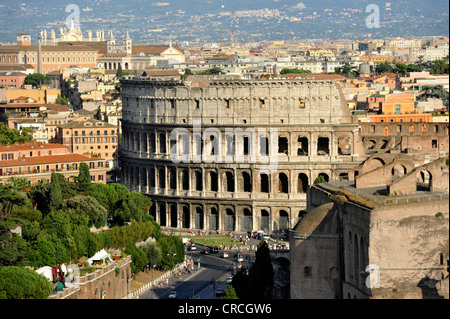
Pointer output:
214, 240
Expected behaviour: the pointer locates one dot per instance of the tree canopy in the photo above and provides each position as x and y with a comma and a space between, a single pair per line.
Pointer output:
294, 70
37, 79
55, 220
10, 136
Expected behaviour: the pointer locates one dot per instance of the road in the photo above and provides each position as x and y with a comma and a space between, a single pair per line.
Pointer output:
210, 273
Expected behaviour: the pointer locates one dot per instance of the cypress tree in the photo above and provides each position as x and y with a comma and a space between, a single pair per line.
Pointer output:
55, 196
84, 177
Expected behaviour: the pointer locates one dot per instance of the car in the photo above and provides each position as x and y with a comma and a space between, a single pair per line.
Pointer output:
219, 292
266, 236
192, 247
229, 280
173, 294
225, 255
215, 250
205, 252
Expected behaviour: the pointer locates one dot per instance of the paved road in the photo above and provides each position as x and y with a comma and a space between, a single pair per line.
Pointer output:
210, 273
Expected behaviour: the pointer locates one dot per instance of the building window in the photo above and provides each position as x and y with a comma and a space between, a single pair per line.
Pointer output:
307, 271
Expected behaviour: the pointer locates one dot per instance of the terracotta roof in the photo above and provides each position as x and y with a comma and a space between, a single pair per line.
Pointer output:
53, 107
59, 47
160, 72
14, 105
14, 67
52, 159
29, 146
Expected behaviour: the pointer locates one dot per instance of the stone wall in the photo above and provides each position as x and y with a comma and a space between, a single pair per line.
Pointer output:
112, 281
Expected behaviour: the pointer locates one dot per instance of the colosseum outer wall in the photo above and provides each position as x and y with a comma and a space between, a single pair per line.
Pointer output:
246, 153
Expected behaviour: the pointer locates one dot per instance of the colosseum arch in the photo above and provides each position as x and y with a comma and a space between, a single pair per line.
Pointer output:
245, 182
199, 218
302, 146
161, 178
344, 145
323, 146
162, 214
264, 220
229, 219
213, 181
264, 183
398, 170
302, 183
246, 219
186, 217
152, 176
283, 220
213, 218
228, 181
423, 180
174, 215
283, 183
172, 178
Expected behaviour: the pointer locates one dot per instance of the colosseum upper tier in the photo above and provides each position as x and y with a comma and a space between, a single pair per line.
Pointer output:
231, 154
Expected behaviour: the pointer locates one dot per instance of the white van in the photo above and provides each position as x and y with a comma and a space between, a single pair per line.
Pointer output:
266, 237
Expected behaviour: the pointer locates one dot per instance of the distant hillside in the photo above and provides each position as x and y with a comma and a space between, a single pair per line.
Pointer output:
208, 20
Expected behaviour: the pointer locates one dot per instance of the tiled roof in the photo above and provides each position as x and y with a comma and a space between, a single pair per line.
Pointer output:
29, 146
52, 159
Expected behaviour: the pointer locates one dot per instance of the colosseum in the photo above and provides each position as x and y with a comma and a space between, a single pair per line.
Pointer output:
232, 154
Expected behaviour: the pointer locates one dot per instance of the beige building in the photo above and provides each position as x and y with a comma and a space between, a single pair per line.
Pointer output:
91, 136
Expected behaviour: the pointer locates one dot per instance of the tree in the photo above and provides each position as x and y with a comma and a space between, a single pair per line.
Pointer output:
55, 196
229, 293
172, 251
22, 283
383, 68
138, 258
400, 69
319, 179
37, 79
436, 91
10, 136
439, 67
346, 70
84, 209
84, 177
119, 73
290, 71
153, 253
11, 199
61, 100
15, 250
261, 272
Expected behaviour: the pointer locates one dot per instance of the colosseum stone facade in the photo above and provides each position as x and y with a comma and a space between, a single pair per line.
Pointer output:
230, 154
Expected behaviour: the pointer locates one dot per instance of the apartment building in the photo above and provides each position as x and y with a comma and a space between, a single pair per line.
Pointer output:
35, 161
399, 103
90, 136
37, 168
